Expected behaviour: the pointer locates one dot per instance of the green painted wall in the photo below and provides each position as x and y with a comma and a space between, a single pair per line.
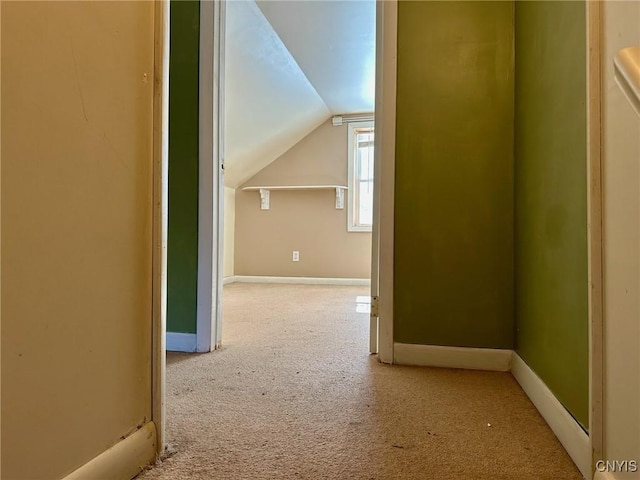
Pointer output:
182, 261
551, 198
454, 174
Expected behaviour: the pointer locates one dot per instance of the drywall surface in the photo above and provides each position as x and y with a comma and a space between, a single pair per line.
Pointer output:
334, 43
229, 231
551, 283
182, 259
77, 98
621, 230
269, 103
454, 174
306, 221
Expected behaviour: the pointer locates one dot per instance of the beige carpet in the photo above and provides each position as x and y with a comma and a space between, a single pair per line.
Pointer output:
293, 394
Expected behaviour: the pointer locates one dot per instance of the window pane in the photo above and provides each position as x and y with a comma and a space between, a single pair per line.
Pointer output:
365, 203
362, 181
365, 163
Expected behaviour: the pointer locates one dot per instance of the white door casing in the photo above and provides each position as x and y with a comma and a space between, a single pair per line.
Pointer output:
160, 215
384, 178
211, 181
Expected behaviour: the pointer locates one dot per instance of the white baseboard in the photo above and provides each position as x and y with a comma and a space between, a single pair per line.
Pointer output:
302, 280
228, 280
574, 439
124, 460
452, 357
181, 342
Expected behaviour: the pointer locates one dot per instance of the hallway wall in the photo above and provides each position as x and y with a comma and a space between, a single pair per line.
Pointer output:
551, 283
454, 174
77, 212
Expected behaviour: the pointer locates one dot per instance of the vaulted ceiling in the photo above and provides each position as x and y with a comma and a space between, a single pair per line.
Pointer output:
290, 65
333, 42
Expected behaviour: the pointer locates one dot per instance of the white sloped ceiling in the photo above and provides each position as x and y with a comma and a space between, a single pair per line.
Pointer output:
269, 103
289, 66
334, 42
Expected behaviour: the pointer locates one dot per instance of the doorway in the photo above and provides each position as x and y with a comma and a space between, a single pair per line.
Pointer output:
285, 133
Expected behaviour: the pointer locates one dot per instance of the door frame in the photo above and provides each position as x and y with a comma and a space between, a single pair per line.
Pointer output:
211, 168
160, 217
210, 176
384, 176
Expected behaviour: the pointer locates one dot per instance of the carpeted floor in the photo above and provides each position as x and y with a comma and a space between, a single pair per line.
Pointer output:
293, 394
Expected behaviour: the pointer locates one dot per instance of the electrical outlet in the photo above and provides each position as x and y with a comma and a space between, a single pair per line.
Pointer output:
296, 256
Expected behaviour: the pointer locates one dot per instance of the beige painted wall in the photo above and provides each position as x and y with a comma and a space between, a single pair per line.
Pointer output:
228, 267
76, 231
306, 221
621, 192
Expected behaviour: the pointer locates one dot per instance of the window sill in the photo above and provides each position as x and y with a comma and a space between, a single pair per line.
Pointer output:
355, 229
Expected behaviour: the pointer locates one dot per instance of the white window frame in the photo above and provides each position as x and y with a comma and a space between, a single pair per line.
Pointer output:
351, 160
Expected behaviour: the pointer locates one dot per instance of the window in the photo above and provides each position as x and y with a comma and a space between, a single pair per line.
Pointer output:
360, 196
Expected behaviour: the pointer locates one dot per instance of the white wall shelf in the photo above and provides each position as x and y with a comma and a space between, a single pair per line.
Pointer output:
264, 192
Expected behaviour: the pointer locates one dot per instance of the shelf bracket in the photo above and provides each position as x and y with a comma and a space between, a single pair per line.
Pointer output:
339, 198
264, 199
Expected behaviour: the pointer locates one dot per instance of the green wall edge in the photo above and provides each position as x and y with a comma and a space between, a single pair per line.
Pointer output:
182, 259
